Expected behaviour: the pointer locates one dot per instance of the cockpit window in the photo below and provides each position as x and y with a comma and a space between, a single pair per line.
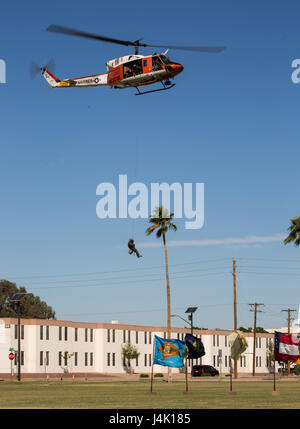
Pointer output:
165, 59
156, 63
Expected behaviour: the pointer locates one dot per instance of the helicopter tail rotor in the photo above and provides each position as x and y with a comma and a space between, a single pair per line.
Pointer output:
34, 68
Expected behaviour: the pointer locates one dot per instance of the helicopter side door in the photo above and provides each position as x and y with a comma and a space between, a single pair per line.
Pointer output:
132, 68
114, 75
147, 65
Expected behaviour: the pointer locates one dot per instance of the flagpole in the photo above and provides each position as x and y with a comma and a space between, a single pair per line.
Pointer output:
275, 392
230, 389
151, 383
186, 376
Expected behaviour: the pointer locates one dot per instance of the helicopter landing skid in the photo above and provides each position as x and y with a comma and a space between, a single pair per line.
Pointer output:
154, 90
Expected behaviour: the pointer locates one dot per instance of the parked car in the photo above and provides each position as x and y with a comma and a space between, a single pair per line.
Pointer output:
293, 370
199, 370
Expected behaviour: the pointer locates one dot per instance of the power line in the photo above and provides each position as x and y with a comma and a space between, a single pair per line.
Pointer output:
126, 277
197, 261
122, 282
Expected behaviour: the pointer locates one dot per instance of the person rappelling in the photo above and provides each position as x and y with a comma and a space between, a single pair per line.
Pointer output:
132, 248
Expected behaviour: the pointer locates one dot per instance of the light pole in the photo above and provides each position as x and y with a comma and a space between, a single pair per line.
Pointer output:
17, 298
190, 311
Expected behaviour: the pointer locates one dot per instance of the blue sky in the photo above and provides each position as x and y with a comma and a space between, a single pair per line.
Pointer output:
231, 122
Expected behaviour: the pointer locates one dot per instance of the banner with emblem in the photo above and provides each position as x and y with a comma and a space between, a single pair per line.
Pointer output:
195, 347
168, 352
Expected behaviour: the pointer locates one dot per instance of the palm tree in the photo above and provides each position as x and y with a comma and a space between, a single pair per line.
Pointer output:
161, 220
294, 229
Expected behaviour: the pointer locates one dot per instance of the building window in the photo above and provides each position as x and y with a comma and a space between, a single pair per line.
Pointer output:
178, 336
47, 332
91, 335
150, 360
217, 340
76, 358
150, 338
108, 335
86, 359
41, 332
145, 337
66, 333
214, 340
129, 336
47, 359
76, 334
260, 361
91, 359
225, 361
41, 358
59, 333
137, 337
108, 360
22, 332
124, 336
214, 360
59, 358
165, 335
114, 359
85, 335
145, 362
113, 336
16, 332
260, 343
22, 358
137, 361
225, 341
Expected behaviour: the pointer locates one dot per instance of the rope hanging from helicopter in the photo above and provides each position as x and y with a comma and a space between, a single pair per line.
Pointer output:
131, 244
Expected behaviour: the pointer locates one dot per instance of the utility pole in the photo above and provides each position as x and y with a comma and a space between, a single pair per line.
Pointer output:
234, 312
289, 310
255, 305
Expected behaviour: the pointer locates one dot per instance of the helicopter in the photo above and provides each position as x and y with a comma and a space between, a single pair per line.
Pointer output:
129, 71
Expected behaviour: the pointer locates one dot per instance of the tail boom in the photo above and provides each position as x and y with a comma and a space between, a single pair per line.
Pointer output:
83, 82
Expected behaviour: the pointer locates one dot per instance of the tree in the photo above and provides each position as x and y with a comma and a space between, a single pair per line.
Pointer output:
161, 220
294, 235
129, 352
270, 354
66, 356
242, 329
31, 307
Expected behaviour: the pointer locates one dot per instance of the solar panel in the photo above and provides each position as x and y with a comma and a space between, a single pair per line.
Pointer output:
191, 309
18, 297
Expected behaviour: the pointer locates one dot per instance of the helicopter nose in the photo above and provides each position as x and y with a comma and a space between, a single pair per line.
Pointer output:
175, 68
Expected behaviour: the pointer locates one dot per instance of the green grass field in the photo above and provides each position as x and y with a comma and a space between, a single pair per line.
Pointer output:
135, 395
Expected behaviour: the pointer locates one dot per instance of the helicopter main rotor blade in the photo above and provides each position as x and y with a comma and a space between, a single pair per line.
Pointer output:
72, 32
209, 49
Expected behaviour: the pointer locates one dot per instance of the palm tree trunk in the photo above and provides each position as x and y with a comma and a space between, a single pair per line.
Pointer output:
168, 300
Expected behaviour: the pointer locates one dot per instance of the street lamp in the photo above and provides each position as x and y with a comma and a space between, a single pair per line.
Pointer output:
190, 311
17, 298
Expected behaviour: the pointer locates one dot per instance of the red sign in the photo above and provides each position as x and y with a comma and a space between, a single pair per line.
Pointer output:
11, 356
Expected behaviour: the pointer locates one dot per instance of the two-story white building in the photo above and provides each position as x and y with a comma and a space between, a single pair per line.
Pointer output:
58, 347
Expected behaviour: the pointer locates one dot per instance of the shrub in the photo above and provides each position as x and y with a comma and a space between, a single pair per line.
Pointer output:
159, 374
144, 375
